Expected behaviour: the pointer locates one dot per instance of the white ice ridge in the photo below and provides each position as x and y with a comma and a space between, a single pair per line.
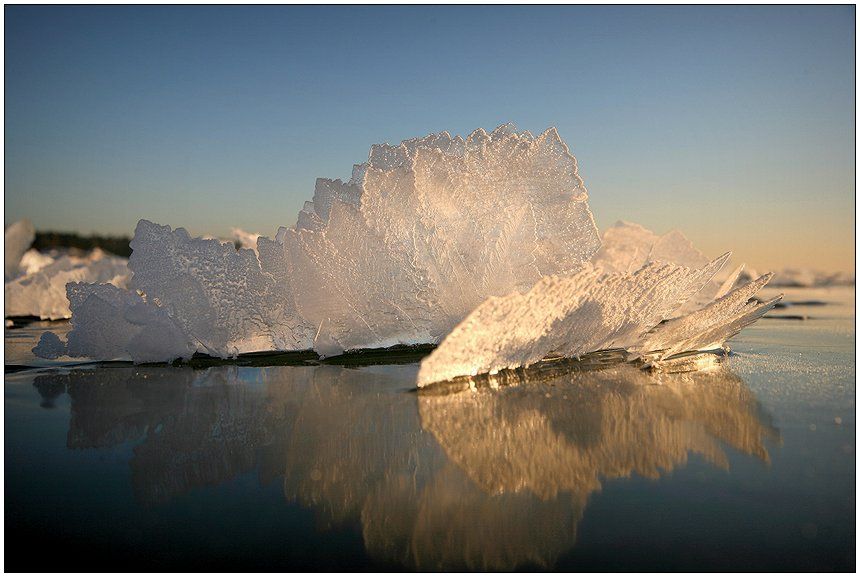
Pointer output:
420, 235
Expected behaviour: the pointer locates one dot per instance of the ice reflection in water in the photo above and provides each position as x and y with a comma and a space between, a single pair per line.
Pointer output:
493, 478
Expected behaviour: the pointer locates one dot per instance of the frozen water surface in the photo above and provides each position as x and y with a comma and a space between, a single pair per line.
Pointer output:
749, 465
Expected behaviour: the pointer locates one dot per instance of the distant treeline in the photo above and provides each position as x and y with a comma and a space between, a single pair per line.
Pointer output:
117, 245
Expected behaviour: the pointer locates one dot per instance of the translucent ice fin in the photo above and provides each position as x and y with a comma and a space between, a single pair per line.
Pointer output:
479, 219
353, 290
571, 315
730, 282
709, 327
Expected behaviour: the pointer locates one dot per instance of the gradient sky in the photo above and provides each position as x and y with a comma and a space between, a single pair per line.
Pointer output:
733, 124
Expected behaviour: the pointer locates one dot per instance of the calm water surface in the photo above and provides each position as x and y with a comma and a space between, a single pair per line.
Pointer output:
747, 467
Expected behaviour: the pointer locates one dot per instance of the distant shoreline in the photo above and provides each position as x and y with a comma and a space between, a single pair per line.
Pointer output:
47, 240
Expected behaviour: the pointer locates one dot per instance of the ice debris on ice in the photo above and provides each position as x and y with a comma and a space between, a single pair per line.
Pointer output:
35, 283
43, 293
494, 229
34, 261
118, 324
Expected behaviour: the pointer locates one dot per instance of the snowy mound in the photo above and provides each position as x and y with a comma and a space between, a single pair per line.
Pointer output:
491, 234
36, 282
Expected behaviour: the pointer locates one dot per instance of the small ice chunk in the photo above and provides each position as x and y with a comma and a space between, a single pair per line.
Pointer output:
113, 323
50, 346
627, 246
33, 261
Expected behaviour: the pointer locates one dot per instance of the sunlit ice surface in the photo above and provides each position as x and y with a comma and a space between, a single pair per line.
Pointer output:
748, 464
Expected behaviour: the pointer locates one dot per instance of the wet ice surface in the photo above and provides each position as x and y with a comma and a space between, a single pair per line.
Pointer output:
750, 466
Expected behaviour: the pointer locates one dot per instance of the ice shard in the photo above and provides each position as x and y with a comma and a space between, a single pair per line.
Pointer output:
710, 327
566, 316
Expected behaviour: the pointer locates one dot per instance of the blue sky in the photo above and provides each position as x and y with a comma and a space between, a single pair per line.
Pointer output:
734, 124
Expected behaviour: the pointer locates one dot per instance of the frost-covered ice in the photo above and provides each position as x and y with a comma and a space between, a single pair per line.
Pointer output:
117, 323
420, 235
494, 229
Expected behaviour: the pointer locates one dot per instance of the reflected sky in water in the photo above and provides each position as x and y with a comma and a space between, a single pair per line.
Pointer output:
748, 466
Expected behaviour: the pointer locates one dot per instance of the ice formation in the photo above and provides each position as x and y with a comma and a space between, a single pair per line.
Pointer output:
35, 283
593, 311
494, 229
420, 235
